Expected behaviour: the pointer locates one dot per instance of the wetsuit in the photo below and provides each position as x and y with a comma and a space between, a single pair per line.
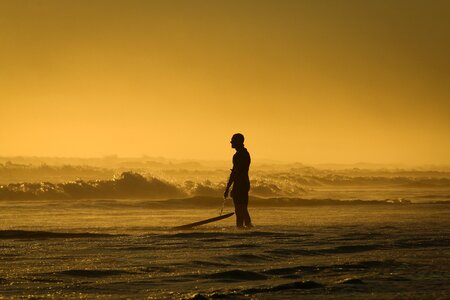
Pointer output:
241, 186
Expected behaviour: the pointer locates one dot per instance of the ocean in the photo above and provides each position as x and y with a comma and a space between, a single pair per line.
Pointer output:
119, 248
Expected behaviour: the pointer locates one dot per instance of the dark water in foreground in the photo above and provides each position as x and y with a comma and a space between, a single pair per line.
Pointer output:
50, 249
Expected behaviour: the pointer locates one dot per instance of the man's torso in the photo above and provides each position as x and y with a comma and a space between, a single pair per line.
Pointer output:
241, 165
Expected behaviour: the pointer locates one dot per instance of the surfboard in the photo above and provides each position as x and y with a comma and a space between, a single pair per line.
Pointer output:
191, 225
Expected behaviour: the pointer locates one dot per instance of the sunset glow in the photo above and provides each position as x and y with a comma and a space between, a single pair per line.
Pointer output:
309, 81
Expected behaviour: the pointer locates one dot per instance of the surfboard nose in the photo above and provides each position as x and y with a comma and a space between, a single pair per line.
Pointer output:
192, 225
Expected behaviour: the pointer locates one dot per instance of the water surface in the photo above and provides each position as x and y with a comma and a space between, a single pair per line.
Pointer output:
125, 248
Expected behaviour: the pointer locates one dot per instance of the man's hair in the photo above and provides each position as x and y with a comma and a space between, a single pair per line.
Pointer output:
238, 137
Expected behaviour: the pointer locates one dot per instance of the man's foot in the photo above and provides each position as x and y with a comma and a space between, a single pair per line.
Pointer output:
249, 226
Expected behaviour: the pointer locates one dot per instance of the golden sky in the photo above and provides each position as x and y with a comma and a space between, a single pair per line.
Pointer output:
309, 81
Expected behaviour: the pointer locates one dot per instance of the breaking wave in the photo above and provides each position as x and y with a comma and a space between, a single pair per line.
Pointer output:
280, 187
127, 185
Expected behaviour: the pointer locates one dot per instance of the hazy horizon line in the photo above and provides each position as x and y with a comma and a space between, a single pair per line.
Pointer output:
258, 160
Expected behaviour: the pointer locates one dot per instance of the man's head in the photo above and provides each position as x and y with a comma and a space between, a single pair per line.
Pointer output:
237, 141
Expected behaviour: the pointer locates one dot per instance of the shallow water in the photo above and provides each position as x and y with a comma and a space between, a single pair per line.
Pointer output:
125, 249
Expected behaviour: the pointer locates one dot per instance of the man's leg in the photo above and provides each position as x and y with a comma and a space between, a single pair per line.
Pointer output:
246, 215
238, 209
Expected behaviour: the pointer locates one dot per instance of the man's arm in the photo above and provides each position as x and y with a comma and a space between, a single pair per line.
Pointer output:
230, 182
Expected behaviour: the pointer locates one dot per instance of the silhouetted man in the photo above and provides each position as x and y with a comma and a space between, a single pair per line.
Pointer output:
240, 181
